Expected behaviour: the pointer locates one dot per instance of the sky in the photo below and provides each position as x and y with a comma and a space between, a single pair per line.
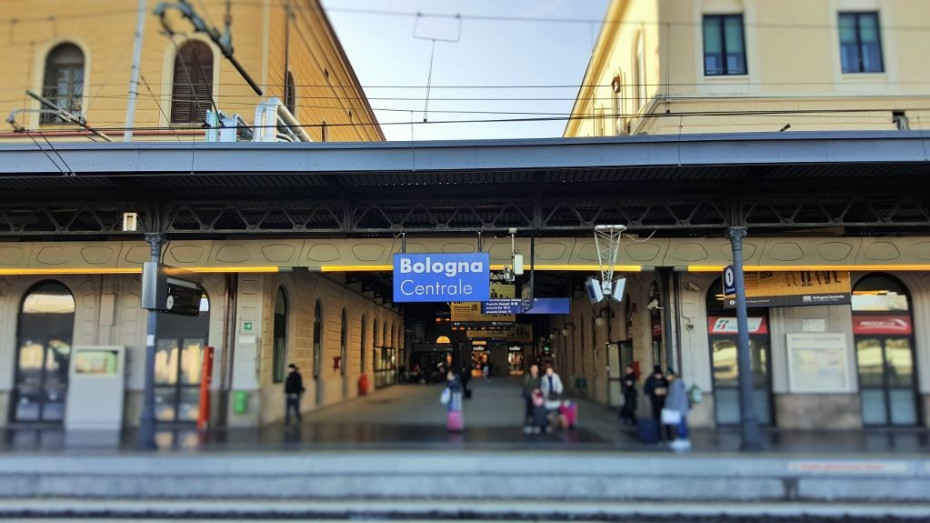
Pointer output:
390, 50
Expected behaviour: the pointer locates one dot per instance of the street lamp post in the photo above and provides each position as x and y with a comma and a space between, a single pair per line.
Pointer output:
748, 421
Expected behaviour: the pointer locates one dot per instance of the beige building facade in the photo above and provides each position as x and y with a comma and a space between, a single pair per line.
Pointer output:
80, 56
706, 66
748, 66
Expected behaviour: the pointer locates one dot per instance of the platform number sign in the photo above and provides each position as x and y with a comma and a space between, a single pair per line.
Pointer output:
729, 281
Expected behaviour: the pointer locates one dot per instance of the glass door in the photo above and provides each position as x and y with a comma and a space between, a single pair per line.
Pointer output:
886, 380
46, 324
178, 364
726, 379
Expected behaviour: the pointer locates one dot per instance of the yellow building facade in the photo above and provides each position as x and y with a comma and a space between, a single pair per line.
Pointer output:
704, 66
80, 55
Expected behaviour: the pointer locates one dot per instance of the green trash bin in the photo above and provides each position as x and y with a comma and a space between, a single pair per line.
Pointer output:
240, 402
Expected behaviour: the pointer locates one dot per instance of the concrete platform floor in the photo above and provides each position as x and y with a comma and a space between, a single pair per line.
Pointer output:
409, 417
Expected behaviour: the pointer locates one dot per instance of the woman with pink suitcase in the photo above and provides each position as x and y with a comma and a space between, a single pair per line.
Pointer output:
451, 397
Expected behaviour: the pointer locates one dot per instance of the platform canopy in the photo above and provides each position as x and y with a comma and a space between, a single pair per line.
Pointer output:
859, 182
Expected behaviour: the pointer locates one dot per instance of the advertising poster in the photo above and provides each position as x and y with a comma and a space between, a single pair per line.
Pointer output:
471, 311
818, 362
794, 288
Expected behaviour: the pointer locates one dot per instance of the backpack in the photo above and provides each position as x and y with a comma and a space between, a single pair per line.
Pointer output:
695, 395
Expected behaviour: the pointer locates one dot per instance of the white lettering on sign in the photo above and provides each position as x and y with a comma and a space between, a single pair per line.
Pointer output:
411, 288
450, 269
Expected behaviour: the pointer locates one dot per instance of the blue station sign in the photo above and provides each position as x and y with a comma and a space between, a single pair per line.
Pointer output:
442, 277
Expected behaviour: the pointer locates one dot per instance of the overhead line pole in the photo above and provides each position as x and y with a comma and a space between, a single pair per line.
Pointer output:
134, 77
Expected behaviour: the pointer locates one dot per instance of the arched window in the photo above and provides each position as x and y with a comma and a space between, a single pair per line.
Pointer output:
364, 345
45, 330
63, 83
317, 339
344, 343
192, 90
884, 335
290, 93
279, 356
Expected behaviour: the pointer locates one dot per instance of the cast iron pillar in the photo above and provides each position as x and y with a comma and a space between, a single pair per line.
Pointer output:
146, 439
748, 420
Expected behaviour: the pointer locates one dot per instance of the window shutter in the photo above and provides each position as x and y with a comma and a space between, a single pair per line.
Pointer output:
192, 90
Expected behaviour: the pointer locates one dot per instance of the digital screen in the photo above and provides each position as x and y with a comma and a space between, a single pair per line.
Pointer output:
97, 362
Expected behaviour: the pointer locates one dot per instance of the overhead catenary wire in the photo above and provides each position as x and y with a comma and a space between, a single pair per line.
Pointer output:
794, 113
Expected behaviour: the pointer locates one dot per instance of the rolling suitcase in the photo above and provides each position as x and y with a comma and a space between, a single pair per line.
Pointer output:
569, 411
648, 430
455, 422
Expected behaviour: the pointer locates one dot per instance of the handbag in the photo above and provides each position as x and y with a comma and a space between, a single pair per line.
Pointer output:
445, 396
670, 417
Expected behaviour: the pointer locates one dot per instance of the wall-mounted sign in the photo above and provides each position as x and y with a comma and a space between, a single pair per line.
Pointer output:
818, 362
473, 312
893, 325
794, 288
518, 306
442, 277
727, 325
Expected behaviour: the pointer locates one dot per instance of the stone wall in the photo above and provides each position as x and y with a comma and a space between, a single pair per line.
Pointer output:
818, 411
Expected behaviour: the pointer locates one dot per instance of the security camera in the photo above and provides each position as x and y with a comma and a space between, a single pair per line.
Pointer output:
693, 287
654, 304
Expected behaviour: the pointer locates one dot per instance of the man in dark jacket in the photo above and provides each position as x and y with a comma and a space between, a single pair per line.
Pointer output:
293, 389
656, 388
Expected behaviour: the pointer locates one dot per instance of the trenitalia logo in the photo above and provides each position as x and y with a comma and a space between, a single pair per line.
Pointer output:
882, 325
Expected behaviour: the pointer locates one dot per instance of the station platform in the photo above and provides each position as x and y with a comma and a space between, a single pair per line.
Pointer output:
388, 457
410, 417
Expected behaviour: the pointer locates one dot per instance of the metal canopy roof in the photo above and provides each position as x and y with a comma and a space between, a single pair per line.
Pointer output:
790, 180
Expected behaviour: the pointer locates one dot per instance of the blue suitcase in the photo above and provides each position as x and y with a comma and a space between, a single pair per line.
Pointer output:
648, 430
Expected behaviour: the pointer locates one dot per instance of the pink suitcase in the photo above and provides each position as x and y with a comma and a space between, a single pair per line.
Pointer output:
569, 410
455, 422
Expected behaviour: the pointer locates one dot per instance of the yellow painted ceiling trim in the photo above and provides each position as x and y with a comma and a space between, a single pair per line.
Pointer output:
68, 271
756, 268
261, 268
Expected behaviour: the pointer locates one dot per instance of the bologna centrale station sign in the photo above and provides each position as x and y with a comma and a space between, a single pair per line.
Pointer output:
442, 277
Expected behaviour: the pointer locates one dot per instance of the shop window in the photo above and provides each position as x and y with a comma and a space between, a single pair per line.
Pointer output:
63, 83
279, 356
860, 43
724, 47
192, 89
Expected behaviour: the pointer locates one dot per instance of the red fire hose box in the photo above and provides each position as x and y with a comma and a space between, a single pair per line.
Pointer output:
362, 385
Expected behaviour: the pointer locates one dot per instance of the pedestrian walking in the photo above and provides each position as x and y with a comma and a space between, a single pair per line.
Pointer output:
676, 410
293, 390
552, 389
630, 394
452, 398
531, 383
656, 388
